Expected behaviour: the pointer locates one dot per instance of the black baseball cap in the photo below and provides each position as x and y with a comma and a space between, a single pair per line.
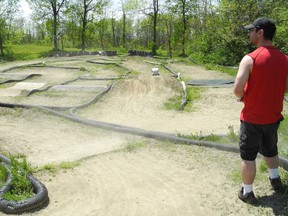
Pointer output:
263, 23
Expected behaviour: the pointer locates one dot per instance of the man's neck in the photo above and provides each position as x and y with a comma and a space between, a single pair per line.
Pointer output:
265, 43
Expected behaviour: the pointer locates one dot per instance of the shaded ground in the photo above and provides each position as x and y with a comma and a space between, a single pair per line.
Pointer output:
121, 174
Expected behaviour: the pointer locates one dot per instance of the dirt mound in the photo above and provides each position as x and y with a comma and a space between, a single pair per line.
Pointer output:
139, 101
155, 89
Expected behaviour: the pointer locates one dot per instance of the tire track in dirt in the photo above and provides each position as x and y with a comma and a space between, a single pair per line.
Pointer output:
146, 182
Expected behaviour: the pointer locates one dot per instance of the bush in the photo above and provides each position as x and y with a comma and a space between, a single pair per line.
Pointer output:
21, 186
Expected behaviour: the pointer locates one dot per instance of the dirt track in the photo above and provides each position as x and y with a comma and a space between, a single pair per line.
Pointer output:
155, 179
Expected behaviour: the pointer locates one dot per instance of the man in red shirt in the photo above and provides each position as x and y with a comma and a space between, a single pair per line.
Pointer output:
261, 83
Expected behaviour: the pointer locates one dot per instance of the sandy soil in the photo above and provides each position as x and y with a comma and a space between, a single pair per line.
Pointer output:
152, 178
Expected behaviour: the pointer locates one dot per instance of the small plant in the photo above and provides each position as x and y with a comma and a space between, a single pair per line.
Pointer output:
196, 136
232, 136
199, 136
133, 146
212, 138
50, 167
3, 174
21, 186
236, 176
262, 166
173, 103
69, 165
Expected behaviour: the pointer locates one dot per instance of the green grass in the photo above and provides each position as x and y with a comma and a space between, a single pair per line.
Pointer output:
283, 137
27, 52
49, 167
228, 70
21, 187
174, 103
131, 146
53, 168
69, 164
3, 175
198, 136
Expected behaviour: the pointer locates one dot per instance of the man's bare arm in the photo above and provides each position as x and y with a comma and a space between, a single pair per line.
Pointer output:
244, 70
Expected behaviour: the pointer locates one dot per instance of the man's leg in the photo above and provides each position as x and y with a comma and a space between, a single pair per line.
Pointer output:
273, 164
248, 172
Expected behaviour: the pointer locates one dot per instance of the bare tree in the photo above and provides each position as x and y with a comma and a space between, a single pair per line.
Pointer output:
85, 10
155, 16
153, 12
127, 7
49, 9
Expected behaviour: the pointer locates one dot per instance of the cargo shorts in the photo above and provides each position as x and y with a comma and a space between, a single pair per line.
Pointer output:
256, 138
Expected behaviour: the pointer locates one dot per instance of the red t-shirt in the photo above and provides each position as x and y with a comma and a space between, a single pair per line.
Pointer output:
265, 88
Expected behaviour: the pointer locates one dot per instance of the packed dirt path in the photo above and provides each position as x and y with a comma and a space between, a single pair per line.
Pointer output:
120, 173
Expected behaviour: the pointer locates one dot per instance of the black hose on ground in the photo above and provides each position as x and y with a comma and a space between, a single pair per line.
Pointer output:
19, 80
48, 87
19, 66
37, 201
152, 134
136, 131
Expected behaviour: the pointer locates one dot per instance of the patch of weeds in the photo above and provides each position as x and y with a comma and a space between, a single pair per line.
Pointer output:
236, 177
283, 137
284, 177
21, 187
167, 146
212, 138
49, 167
15, 112
262, 167
173, 103
228, 70
83, 69
193, 93
134, 145
3, 174
232, 136
199, 136
69, 165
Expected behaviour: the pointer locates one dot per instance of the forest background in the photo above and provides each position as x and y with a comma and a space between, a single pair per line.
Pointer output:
207, 31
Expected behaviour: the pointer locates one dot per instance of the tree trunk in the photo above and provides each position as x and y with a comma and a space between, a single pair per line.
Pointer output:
55, 33
156, 9
113, 32
184, 28
1, 47
169, 48
84, 24
154, 46
83, 34
124, 29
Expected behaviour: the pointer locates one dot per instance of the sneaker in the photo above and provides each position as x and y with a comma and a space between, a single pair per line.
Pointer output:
276, 183
248, 197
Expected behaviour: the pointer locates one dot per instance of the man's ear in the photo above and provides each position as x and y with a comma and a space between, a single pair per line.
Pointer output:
260, 32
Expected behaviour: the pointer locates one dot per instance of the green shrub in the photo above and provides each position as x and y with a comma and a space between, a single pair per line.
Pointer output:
3, 175
21, 186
